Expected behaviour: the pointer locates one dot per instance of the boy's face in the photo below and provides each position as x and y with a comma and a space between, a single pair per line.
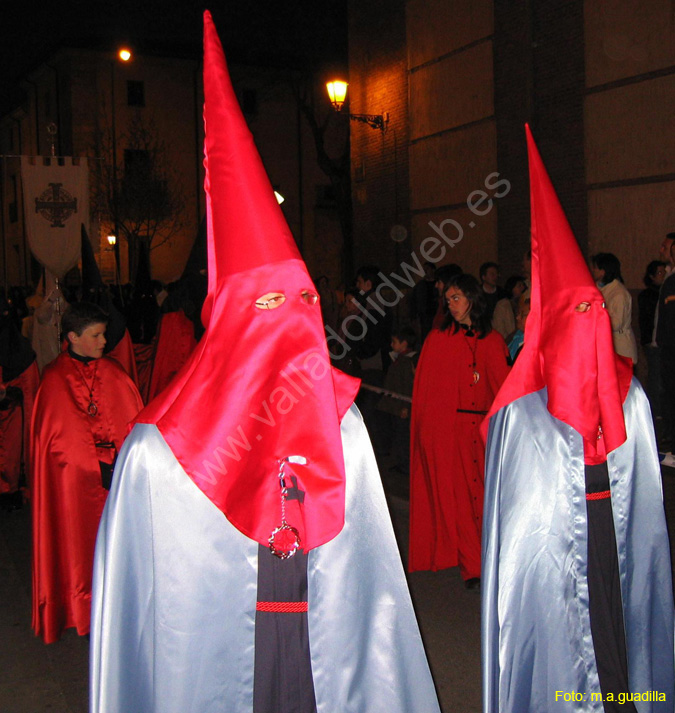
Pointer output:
491, 276
90, 343
398, 346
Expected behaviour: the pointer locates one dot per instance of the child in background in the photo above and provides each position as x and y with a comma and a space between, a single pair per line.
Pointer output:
394, 412
518, 338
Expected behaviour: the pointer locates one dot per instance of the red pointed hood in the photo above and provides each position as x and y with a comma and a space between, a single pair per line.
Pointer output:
568, 344
259, 386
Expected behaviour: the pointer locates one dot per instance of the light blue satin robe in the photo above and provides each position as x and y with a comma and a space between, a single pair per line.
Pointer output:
536, 633
174, 598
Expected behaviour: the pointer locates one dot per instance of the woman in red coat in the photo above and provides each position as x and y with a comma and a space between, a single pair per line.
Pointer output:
461, 368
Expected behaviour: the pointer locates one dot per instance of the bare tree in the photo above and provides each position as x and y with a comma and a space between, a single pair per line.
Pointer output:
140, 195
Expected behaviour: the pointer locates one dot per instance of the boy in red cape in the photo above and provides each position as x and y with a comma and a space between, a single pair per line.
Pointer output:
82, 411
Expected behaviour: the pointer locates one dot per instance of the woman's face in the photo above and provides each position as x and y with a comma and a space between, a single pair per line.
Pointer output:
598, 274
518, 289
459, 305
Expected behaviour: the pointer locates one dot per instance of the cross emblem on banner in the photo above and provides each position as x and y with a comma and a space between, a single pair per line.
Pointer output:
56, 205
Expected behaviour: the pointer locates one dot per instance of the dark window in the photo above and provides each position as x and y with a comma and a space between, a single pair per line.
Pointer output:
135, 93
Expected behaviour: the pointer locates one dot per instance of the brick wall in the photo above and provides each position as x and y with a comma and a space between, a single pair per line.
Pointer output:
378, 84
539, 78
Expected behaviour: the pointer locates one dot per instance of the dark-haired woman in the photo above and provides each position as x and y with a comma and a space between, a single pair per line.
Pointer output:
461, 368
606, 270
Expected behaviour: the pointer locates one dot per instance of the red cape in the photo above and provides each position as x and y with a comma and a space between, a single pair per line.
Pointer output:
144, 354
123, 354
11, 437
447, 455
175, 342
67, 495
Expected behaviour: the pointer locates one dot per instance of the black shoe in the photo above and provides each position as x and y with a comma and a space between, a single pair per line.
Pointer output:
473, 583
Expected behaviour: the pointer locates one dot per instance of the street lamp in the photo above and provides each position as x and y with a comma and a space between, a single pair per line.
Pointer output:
337, 93
124, 55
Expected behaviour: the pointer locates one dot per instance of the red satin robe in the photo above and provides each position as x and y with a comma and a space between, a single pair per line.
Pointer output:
175, 342
447, 453
67, 494
123, 353
11, 437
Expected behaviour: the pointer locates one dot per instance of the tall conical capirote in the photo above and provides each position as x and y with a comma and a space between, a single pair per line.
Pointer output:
94, 290
568, 344
259, 386
91, 275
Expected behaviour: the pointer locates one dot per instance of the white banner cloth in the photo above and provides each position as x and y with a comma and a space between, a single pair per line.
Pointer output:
56, 202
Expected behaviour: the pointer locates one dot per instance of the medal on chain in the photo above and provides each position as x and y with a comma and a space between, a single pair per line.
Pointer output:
285, 539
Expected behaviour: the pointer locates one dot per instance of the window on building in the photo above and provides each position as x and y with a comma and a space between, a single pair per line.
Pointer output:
135, 93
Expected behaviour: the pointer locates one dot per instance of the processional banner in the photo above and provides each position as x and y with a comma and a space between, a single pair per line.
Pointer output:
56, 203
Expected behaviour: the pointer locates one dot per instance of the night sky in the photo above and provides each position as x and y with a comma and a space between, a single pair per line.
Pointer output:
252, 31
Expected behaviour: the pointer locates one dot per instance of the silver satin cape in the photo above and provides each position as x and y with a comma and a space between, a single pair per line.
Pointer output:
174, 597
536, 632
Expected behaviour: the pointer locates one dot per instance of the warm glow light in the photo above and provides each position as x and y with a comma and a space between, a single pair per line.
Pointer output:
124, 54
112, 239
337, 91
279, 197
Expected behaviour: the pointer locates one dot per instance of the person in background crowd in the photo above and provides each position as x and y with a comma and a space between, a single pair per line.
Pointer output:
460, 371
665, 252
378, 336
19, 380
606, 270
424, 301
518, 339
492, 292
395, 413
665, 341
443, 276
46, 331
504, 316
648, 300
329, 305
345, 354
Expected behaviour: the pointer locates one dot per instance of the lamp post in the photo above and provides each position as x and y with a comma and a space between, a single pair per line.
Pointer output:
123, 54
337, 93
112, 242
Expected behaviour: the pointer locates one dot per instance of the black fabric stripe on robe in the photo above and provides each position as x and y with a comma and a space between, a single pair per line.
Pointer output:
604, 590
283, 671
